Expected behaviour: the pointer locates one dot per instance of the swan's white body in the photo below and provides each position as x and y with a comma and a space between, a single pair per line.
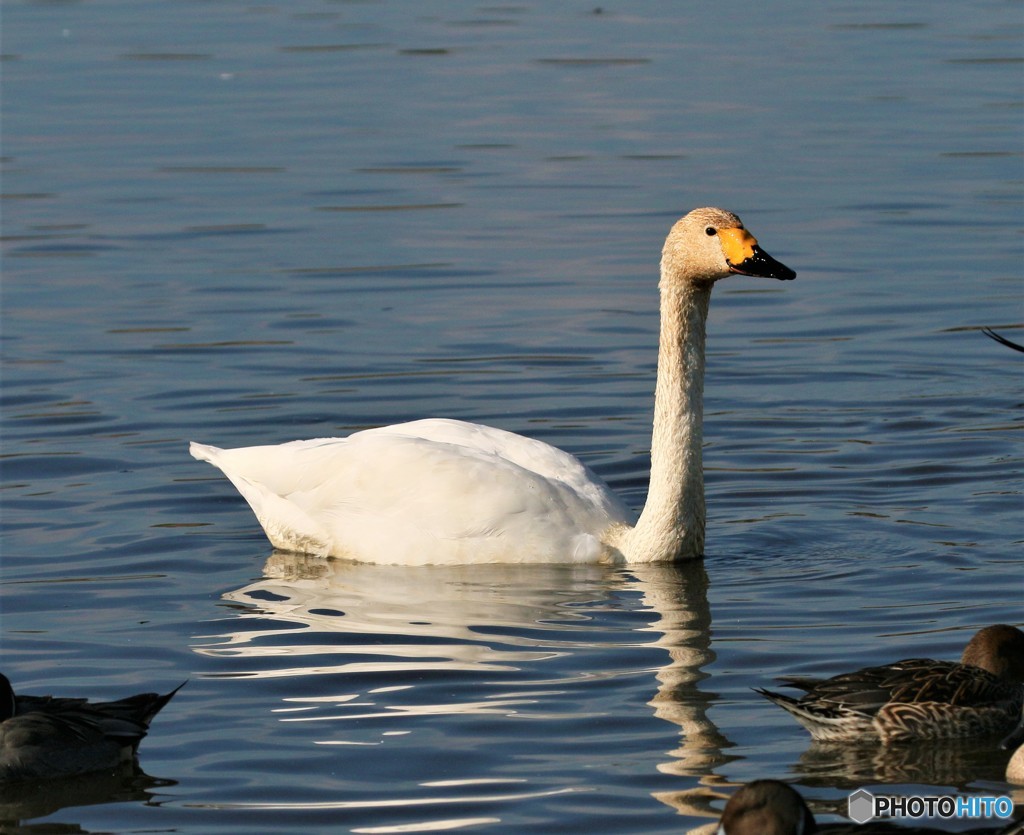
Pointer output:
426, 492
450, 492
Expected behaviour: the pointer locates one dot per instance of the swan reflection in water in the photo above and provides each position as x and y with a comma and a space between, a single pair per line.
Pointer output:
392, 635
554, 642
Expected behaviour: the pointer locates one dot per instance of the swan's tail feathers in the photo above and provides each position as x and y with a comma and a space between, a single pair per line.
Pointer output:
203, 452
286, 523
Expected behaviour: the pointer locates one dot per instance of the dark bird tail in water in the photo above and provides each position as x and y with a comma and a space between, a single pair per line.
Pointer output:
1002, 340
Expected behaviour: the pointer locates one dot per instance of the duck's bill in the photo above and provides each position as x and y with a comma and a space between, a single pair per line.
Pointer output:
760, 263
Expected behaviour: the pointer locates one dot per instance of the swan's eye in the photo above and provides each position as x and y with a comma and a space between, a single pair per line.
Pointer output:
710, 231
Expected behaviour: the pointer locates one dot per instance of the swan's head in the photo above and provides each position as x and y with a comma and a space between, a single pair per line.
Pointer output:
709, 244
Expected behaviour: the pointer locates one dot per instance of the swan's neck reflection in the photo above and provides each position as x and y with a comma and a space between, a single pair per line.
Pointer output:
385, 629
678, 594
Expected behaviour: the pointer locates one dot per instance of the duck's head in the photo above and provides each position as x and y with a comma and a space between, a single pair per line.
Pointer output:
709, 244
998, 649
766, 807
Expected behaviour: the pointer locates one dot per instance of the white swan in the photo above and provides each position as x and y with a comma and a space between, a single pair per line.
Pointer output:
446, 491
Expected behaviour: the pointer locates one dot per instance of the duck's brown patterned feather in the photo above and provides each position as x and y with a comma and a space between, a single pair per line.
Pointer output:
918, 698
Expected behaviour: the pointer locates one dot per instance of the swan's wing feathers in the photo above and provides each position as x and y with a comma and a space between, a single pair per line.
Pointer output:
299, 466
409, 495
531, 455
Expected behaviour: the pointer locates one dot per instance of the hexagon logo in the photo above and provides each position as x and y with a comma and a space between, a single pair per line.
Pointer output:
861, 806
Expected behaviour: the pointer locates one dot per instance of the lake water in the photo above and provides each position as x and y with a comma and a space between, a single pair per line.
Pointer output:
247, 222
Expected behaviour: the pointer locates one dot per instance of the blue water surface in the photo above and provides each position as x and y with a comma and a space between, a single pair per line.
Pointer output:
247, 222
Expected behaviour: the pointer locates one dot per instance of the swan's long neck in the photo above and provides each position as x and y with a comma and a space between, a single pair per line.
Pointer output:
671, 525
